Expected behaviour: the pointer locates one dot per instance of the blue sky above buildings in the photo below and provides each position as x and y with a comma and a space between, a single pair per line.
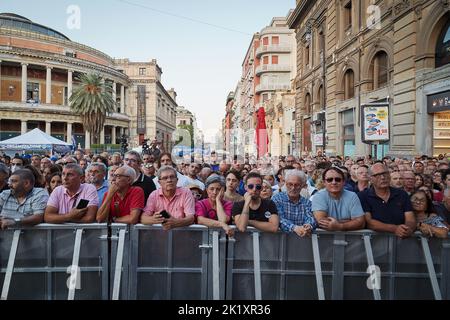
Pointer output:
199, 44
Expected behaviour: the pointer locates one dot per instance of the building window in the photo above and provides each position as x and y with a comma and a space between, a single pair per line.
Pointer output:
348, 126
443, 47
349, 84
308, 104
274, 59
307, 55
265, 41
32, 92
266, 60
347, 15
275, 40
265, 97
142, 71
379, 70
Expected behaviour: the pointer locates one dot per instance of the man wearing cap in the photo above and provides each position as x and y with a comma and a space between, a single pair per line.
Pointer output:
254, 211
197, 193
214, 212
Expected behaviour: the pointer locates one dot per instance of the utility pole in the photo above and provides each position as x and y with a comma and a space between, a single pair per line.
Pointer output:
324, 94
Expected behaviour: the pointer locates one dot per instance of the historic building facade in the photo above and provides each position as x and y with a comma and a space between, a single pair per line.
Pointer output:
152, 108
39, 68
392, 53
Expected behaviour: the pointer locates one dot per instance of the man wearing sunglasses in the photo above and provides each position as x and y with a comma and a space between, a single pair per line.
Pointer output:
334, 208
254, 211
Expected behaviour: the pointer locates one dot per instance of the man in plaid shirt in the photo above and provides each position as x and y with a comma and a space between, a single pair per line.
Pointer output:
294, 210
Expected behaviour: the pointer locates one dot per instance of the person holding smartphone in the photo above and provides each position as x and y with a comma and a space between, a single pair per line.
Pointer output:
122, 203
177, 202
64, 202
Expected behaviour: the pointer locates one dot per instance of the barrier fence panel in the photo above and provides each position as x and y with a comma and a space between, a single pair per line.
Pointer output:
119, 271
169, 264
43, 262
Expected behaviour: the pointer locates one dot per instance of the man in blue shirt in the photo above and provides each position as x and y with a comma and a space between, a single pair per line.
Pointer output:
335, 208
387, 209
294, 210
96, 174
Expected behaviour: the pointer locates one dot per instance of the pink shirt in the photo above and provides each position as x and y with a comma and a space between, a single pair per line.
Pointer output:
203, 209
181, 205
61, 200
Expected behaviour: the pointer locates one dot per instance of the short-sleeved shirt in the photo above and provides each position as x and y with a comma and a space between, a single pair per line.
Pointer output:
203, 208
34, 203
134, 199
182, 204
263, 213
146, 184
442, 211
293, 214
102, 190
63, 202
390, 212
347, 207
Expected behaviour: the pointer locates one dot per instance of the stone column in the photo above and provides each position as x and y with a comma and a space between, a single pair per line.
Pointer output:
122, 98
24, 81
114, 95
23, 127
48, 127
102, 136
69, 85
69, 132
113, 135
376, 72
87, 140
48, 86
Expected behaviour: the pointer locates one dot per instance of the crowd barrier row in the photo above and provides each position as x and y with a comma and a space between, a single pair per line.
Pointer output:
92, 261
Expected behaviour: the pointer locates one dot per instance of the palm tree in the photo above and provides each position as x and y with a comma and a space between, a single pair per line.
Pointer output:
92, 100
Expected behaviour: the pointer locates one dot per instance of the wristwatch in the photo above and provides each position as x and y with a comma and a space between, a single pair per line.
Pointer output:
17, 222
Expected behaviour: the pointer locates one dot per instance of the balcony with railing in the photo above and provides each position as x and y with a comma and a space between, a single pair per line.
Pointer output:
273, 48
271, 87
272, 68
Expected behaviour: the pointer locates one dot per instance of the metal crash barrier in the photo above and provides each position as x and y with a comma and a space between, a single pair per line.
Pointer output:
94, 261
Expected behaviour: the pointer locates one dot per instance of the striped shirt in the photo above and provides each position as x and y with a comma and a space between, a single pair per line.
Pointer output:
34, 203
293, 214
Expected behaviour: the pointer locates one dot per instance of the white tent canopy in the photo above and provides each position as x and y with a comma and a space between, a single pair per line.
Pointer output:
35, 140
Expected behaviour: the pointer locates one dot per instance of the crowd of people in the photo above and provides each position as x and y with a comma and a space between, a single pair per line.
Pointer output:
398, 196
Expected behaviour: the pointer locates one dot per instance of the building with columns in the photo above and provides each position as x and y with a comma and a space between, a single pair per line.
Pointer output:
353, 53
39, 68
152, 108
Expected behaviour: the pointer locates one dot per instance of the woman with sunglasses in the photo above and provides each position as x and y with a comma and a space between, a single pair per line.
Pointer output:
428, 222
214, 212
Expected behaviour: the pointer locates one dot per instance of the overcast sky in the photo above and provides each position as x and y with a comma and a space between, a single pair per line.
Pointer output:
199, 44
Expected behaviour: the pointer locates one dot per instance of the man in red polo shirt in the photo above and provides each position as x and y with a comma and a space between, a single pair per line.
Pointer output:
122, 203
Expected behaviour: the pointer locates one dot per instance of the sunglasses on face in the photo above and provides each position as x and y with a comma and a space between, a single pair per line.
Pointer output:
330, 180
257, 186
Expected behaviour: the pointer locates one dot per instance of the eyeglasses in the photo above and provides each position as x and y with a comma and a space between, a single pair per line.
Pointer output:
293, 185
116, 175
257, 186
384, 174
168, 178
336, 179
417, 200
130, 160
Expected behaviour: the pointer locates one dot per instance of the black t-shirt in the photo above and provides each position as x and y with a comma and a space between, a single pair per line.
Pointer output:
263, 213
146, 183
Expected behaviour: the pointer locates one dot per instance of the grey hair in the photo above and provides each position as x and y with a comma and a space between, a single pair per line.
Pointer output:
75, 167
129, 171
267, 183
4, 168
295, 173
136, 154
385, 167
165, 168
97, 164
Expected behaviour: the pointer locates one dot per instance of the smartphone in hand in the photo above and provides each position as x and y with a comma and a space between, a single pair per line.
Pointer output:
165, 214
82, 204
